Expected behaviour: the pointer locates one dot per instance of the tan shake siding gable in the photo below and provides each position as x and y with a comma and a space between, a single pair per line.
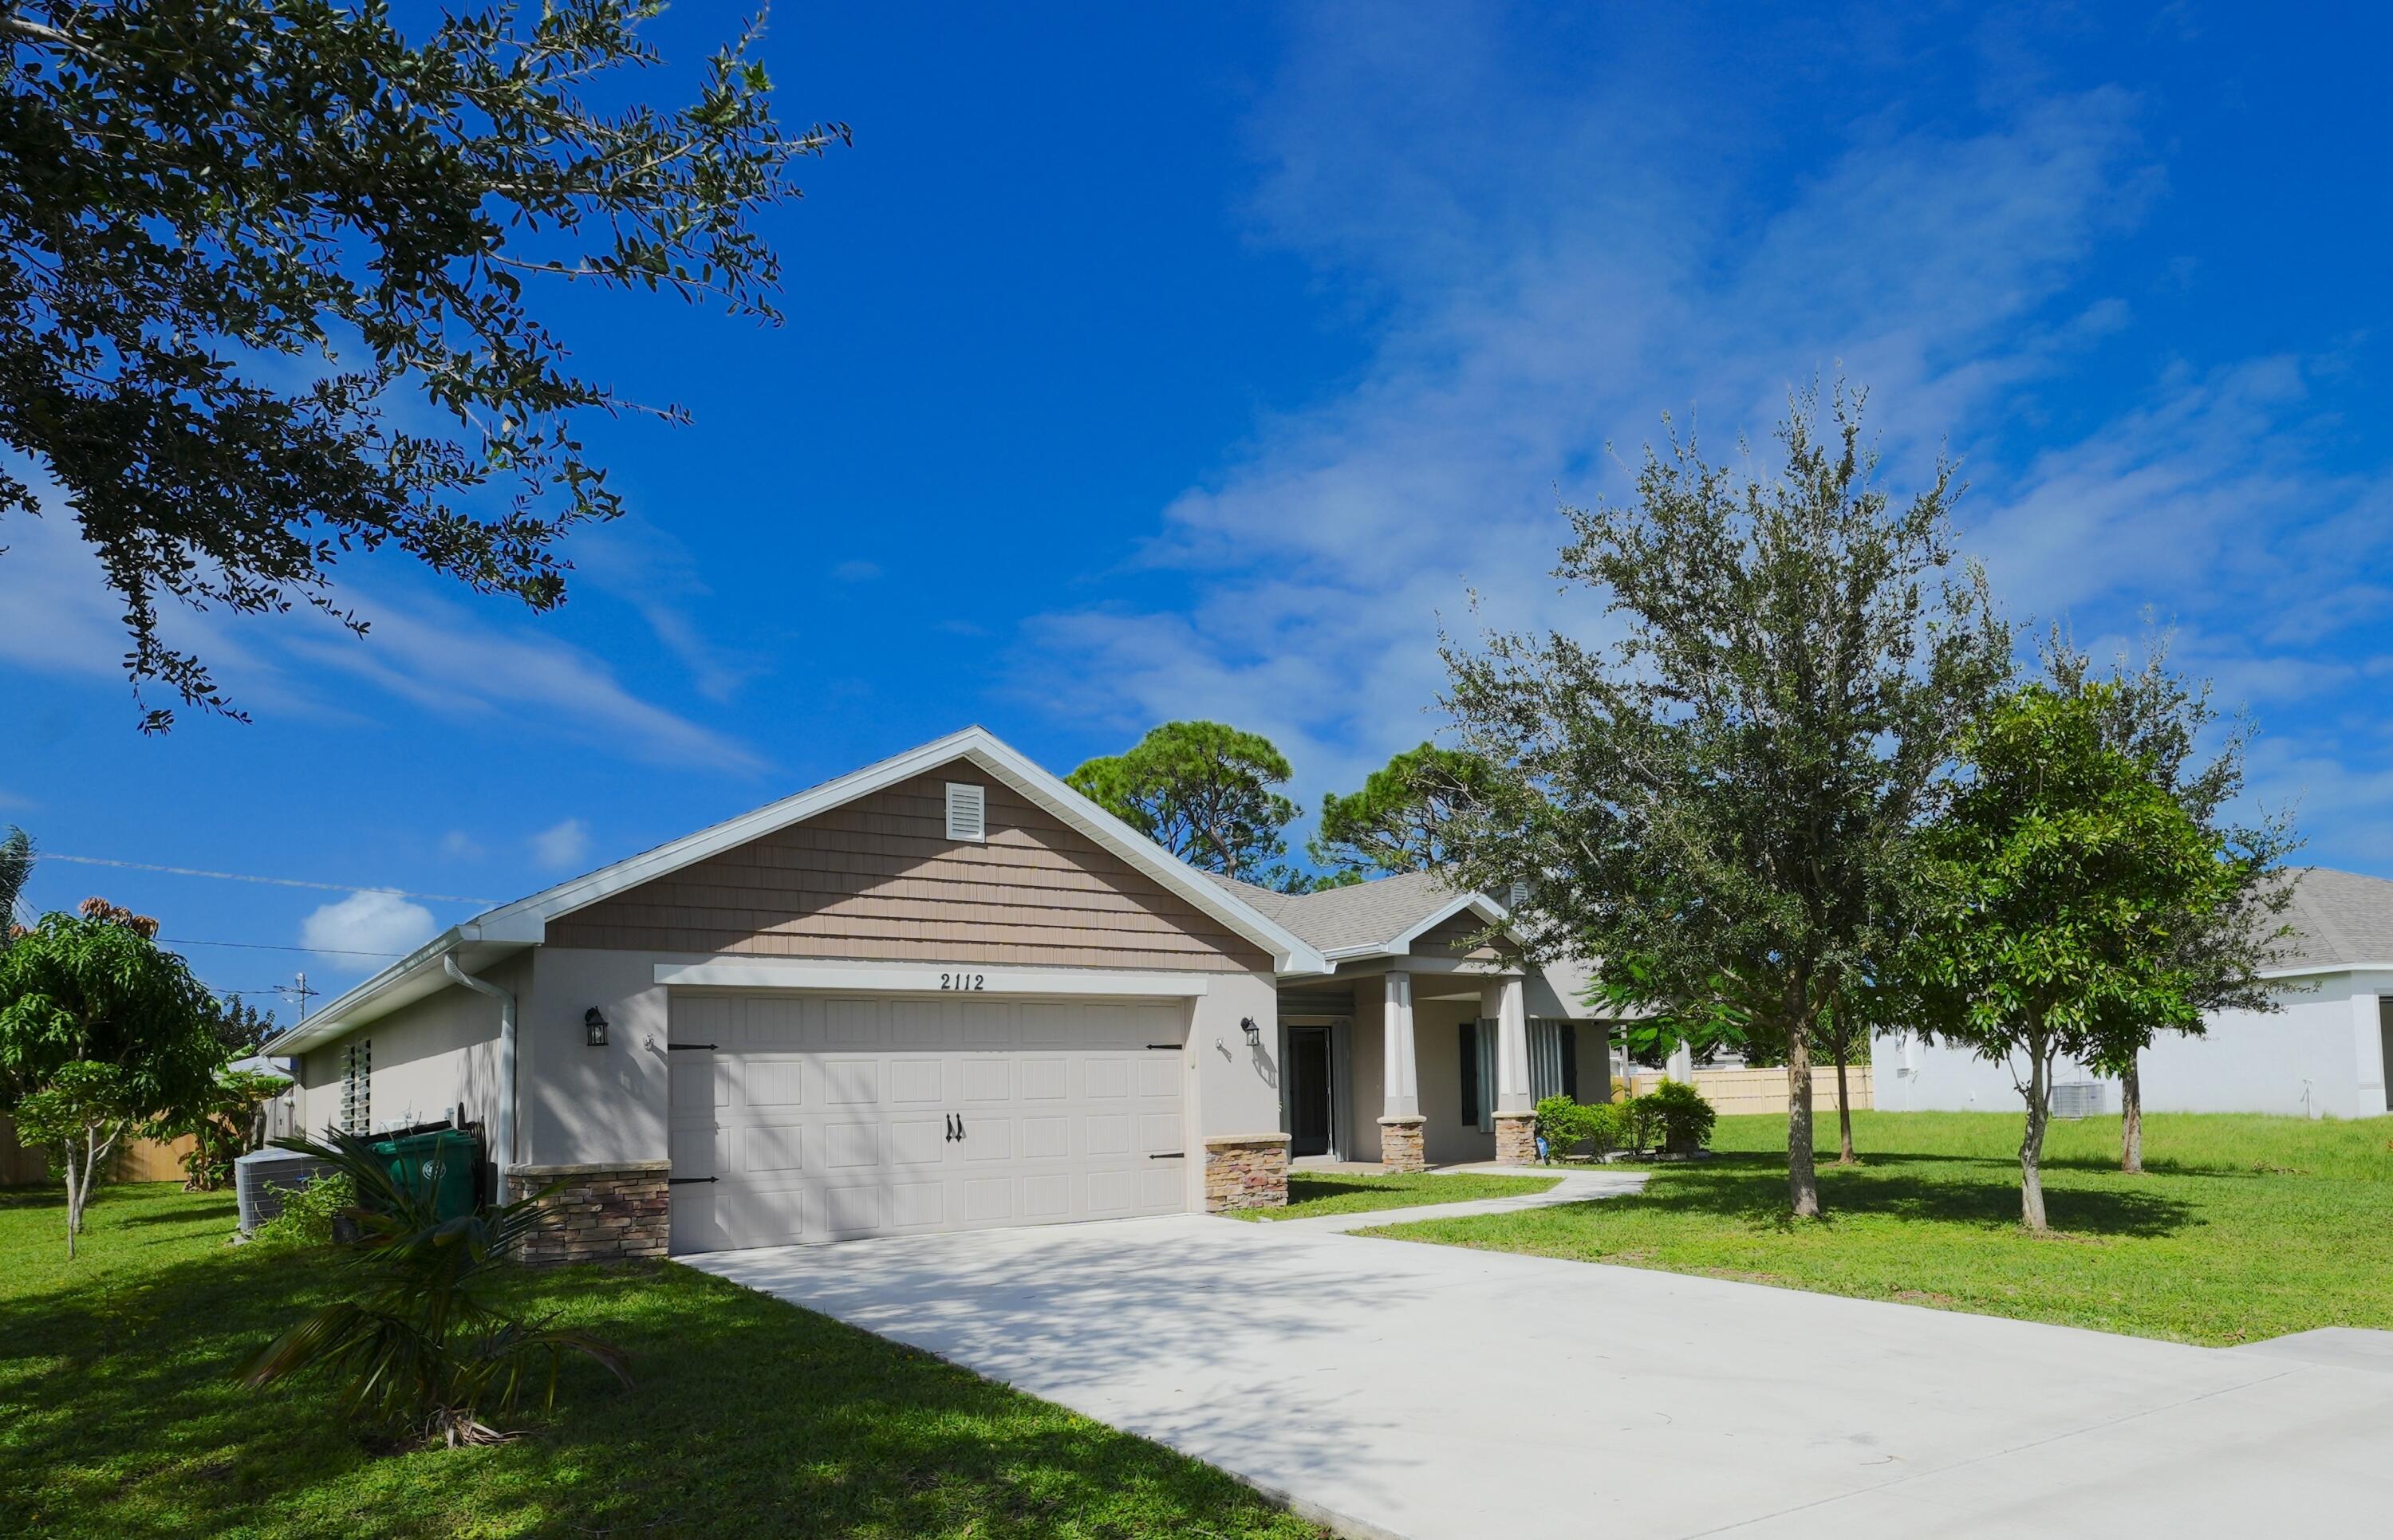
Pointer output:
878, 878
1439, 940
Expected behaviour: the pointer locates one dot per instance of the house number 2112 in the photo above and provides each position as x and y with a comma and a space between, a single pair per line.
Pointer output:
963, 981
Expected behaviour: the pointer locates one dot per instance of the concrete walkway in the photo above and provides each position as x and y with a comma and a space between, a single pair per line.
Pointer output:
1578, 1185
1396, 1388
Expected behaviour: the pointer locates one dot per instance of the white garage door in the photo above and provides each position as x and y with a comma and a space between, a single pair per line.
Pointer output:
822, 1117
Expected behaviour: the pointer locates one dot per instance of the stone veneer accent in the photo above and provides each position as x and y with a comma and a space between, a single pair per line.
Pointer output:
600, 1214
1400, 1147
1516, 1139
1246, 1171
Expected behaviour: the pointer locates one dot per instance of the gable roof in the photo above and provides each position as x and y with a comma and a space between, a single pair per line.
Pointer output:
2340, 919
512, 927
1382, 917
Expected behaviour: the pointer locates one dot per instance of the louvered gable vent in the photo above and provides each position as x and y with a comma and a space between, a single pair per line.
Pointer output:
967, 812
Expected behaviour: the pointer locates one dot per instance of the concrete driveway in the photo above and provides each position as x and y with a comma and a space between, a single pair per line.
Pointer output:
1394, 1389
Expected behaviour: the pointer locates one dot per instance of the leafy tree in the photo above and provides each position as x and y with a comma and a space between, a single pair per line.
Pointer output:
2156, 716
1397, 821
100, 1031
424, 1345
266, 282
1727, 793
16, 867
2064, 870
1202, 791
229, 1123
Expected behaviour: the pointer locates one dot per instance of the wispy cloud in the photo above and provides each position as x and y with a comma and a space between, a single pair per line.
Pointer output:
59, 619
562, 845
1555, 263
655, 573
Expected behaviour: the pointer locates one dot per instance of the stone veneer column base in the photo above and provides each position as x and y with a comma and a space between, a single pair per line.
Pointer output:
599, 1214
1516, 1139
1401, 1146
1246, 1171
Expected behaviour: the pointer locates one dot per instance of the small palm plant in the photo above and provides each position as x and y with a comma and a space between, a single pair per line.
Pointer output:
422, 1348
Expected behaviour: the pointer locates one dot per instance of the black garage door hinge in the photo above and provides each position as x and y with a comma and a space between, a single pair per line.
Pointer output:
680, 1181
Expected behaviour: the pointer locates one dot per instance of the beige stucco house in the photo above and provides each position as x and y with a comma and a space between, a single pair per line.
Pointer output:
944, 992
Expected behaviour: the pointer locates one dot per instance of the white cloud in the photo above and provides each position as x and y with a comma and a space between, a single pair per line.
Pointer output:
563, 844
1553, 262
366, 922
654, 572
458, 846
59, 619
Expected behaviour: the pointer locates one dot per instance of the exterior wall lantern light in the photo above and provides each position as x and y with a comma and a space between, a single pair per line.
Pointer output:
594, 1027
1254, 1034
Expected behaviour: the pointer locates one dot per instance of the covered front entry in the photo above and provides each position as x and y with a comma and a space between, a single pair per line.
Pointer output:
817, 1117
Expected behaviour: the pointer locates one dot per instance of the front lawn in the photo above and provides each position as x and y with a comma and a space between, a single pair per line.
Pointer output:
1312, 1193
118, 1417
2244, 1228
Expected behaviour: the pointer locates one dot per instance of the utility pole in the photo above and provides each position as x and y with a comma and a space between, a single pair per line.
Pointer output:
300, 992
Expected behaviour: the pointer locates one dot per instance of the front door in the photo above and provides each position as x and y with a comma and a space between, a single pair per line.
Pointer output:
1308, 1090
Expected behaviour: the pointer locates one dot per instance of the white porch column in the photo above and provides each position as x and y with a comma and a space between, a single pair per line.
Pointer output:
1402, 1075
1516, 1139
1401, 1145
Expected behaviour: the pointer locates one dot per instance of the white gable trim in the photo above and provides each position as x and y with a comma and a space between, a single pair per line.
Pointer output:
525, 921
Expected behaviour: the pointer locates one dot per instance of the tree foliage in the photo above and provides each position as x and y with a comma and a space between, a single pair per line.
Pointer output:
1397, 821
2157, 717
1202, 791
2067, 878
266, 282
1727, 792
101, 1030
424, 1345
229, 1123
15, 867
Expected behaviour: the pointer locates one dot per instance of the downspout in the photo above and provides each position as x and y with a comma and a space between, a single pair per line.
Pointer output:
503, 1141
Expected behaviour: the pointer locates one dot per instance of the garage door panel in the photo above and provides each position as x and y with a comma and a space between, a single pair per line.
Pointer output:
919, 1141
1046, 1137
987, 1140
851, 1082
847, 1146
773, 1147
915, 1081
826, 1118
774, 1082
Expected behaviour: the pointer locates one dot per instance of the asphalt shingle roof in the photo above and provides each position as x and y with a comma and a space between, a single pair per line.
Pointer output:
2338, 917
1365, 914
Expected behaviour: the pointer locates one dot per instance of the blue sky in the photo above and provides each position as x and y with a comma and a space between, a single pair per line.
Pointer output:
1159, 361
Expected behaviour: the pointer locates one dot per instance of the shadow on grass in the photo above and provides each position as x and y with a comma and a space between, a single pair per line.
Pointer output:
1753, 1188
225, 1210
749, 1417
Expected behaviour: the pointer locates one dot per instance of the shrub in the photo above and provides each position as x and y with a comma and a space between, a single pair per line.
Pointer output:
1566, 1126
424, 1347
1683, 1116
307, 1212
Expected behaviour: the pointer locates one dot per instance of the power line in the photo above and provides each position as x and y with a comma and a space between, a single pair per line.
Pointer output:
272, 946
244, 877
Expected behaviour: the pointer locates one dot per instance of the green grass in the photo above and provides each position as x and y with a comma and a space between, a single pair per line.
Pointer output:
118, 1417
1312, 1193
2244, 1228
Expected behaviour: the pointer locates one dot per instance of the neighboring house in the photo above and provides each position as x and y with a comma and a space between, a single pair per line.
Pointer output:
2322, 1055
944, 992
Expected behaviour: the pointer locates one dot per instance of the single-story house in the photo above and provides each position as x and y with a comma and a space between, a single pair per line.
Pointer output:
944, 992
2322, 1054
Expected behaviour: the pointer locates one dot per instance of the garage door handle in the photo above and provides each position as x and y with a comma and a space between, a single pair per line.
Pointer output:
684, 1181
1169, 1155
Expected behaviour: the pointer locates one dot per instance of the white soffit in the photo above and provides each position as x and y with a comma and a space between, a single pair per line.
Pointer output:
960, 981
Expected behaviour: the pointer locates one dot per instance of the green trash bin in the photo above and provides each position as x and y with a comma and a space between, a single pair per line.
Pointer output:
441, 1163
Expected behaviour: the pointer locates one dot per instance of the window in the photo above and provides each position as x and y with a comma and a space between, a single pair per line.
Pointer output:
357, 1088
967, 812
1553, 1059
